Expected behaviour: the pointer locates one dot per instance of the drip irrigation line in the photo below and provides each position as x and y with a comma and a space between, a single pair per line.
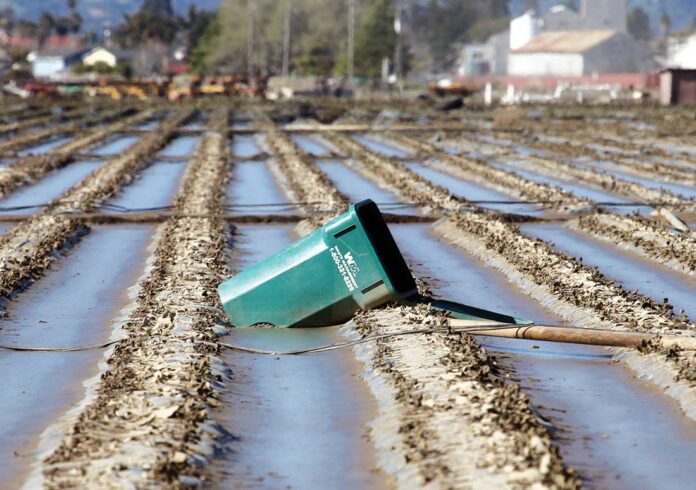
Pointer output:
384, 205
251, 350
468, 329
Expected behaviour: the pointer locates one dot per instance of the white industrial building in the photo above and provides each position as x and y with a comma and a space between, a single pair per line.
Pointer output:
491, 57
574, 54
681, 52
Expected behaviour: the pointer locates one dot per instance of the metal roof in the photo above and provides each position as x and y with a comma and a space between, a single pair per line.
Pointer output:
565, 41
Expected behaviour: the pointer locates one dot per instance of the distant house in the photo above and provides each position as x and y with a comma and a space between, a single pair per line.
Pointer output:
576, 53
486, 58
681, 52
54, 62
110, 57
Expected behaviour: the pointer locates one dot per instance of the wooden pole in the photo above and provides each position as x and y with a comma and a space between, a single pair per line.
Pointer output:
351, 42
286, 39
572, 335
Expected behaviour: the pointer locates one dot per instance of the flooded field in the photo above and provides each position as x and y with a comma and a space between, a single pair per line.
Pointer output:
118, 224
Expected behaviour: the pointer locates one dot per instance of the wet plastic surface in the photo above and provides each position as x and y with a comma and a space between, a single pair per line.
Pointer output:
472, 191
311, 145
617, 431
577, 189
382, 147
245, 146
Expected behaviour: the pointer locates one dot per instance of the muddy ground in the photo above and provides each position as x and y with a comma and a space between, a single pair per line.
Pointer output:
168, 406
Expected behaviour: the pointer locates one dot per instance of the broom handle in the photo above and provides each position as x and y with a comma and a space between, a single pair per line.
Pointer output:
573, 335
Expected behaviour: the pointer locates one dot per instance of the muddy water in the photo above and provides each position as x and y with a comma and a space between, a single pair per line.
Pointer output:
311, 145
575, 188
44, 147
180, 147
617, 431
245, 146
300, 421
356, 187
149, 125
115, 145
73, 305
48, 188
382, 146
253, 190
629, 270
155, 187
683, 190
471, 191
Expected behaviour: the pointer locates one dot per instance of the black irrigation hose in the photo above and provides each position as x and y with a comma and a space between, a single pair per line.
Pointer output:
251, 350
124, 209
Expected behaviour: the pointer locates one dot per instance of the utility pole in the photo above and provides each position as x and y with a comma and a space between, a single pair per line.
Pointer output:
286, 39
398, 56
251, 14
351, 42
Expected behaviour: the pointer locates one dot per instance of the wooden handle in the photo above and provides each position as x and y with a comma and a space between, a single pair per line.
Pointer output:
572, 335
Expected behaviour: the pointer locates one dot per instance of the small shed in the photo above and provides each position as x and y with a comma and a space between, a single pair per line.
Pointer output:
678, 86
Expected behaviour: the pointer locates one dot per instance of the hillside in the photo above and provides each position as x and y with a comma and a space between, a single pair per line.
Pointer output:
682, 12
96, 13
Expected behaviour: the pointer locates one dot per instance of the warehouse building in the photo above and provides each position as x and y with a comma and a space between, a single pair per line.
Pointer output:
575, 54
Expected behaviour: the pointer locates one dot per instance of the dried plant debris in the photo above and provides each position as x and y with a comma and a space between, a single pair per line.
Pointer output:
32, 167
27, 248
147, 425
448, 418
305, 181
646, 237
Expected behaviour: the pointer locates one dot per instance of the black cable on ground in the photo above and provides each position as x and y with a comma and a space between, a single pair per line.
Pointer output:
252, 350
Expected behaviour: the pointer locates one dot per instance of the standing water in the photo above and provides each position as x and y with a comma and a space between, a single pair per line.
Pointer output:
74, 304
616, 431
349, 182
30, 199
298, 421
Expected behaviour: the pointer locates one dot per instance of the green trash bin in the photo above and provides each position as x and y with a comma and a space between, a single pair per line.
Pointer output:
349, 264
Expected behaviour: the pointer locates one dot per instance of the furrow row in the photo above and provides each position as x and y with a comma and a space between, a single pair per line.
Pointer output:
436, 396
507, 182
561, 282
32, 167
462, 425
28, 248
306, 182
149, 424
88, 119
40, 120
592, 177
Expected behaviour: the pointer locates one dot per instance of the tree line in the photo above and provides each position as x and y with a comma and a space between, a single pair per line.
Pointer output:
318, 33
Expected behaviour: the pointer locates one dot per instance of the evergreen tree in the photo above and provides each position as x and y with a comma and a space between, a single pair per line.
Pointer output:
638, 24
375, 39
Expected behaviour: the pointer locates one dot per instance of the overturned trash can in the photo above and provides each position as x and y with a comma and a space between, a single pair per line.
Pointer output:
350, 263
